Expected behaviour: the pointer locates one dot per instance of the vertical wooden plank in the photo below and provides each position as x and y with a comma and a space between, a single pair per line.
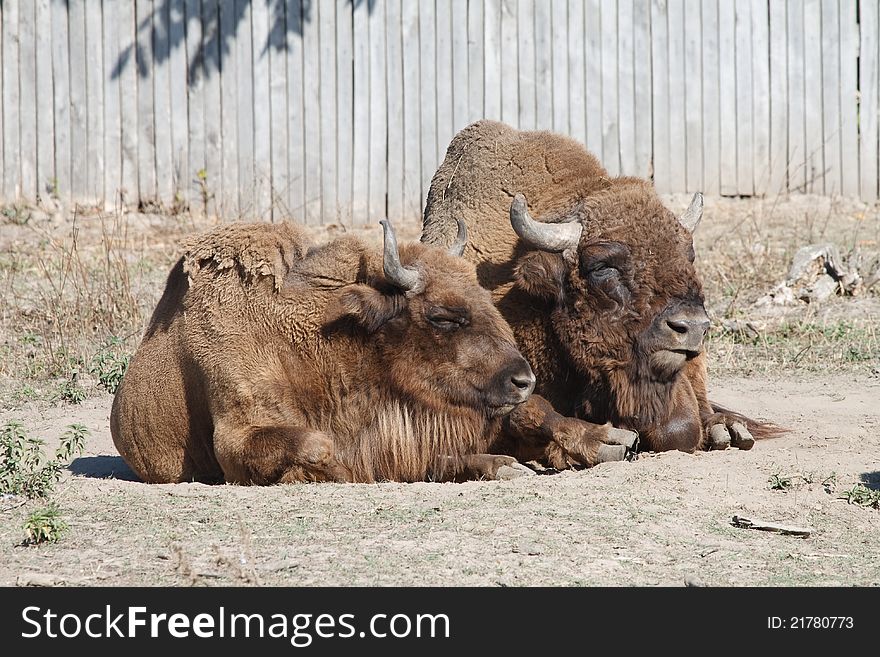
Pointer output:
797, 174
745, 179
262, 108
112, 119
460, 73
509, 58
849, 140
61, 83
312, 118
229, 205
677, 98
693, 99
492, 59
830, 90
475, 61
778, 180
278, 108
379, 117
296, 199
526, 64
345, 109
593, 83
428, 87
559, 64
761, 95
395, 66
361, 152
643, 89
210, 66
129, 100
813, 96
182, 186
2, 112
195, 105
161, 100
28, 108
543, 66
577, 116
626, 88
868, 105
11, 177
660, 98
146, 162
445, 79
327, 38
610, 107
45, 132
244, 67
412, 164
727, 97
711, 140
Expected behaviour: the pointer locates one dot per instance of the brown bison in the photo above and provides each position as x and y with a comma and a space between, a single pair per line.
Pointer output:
268, 361
596, 279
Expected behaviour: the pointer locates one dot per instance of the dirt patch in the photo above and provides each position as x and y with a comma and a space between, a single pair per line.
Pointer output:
658, 520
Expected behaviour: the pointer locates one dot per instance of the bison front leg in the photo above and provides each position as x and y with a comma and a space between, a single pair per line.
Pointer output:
277, 454
534, 430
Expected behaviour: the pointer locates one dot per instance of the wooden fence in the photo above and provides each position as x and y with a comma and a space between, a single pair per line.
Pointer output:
340, 110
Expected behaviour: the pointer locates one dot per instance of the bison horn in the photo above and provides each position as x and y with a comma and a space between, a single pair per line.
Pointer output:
691, 217
402, 277
457, 247
546, 237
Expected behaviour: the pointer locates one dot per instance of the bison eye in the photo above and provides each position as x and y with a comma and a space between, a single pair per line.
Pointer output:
447, 319
603, 271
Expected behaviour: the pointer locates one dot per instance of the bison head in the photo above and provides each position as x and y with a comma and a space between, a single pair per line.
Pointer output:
440, 338
627, 305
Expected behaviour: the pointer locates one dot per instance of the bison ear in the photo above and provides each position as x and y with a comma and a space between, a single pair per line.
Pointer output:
541, 274
367, 306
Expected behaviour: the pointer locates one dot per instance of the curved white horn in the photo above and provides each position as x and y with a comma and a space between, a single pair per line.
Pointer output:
402, 277
690, 219
546, 237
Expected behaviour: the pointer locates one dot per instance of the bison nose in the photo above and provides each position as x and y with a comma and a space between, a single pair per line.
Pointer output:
686, 329
521, 383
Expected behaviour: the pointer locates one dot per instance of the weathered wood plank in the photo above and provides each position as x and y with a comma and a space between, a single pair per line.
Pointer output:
476, 75
112, 119
230, 205
460, 73
395, 66
559, 64
428, 101
61, 96
47, 181
761, 95
643, 88
678, 114
313, 214
711, 140
509, 56
296, 121
829, 55
815, 140
492, 59
626, 120
278, 96
177, 72
244, 70
161, 101
126, 73
543, 66
361, 123
378, 109
146, 162
445, 80
412, 164
209, 187
693, 98
660, 97
526, 63
262, 110
344, 108
11, 177
797, 174
326, 17
868, 107
849, 138
577, 116
778, 179
727, 97
28, 99
745, 178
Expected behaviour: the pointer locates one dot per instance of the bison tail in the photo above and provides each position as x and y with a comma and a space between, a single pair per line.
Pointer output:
759, 430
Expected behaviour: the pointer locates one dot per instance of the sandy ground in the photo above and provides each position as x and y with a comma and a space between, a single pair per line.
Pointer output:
657, 521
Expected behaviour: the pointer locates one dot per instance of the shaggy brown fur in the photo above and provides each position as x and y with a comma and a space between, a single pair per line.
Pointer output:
269, 361
587, 336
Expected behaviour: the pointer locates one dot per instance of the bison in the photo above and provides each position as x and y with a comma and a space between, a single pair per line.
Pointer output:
596, 278
269, 361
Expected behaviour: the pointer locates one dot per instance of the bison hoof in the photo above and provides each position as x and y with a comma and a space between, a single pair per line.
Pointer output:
740, 436
719, 437
513, 471
629, 439
608, 453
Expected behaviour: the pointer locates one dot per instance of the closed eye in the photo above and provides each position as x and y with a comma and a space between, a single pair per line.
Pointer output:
448, 319
603, 271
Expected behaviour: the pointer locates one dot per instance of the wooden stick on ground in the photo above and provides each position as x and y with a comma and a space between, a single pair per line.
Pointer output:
749, 523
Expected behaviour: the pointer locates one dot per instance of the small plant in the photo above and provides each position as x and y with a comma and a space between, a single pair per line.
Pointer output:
779, 482
109, 365
24, 468
204, 192
862, 495
44, 525
71, 391
830, 483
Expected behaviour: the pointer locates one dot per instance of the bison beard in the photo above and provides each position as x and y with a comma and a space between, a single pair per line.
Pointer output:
267, 360
599, 288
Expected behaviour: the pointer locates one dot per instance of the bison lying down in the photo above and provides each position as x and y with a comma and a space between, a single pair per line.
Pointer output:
266, 361
596, 278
